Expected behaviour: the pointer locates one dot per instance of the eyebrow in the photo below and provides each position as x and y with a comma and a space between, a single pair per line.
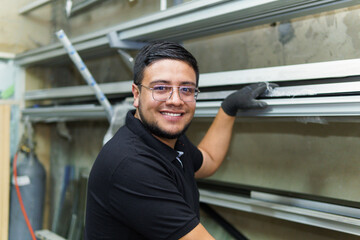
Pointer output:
168, 82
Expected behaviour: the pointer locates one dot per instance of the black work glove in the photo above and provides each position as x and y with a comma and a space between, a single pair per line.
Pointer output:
244, 98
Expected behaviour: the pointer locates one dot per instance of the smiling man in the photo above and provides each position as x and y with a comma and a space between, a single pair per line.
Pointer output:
142, 184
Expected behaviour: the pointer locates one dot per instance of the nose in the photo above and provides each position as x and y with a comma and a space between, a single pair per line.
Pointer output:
175, 97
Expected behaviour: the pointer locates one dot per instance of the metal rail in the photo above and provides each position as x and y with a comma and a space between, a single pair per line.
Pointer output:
295, 214
34, 5
347, 106
186, 21
322, 71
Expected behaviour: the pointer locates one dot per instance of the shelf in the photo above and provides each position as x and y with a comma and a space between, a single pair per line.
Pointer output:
346, 106
183, 22
118, 88
301, 72
293, 107
295, 214
309, 102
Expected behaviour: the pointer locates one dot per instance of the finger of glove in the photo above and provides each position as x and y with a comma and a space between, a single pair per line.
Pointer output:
258, 104
271, 86
258, 89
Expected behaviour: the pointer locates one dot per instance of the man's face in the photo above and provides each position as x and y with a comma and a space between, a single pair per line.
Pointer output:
166, 119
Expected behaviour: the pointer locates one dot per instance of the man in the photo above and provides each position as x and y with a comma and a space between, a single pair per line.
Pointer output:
142, 184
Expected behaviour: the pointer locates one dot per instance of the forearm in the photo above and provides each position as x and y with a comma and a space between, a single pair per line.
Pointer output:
215, 143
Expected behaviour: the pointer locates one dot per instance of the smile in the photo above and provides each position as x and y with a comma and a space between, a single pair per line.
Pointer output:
171, 114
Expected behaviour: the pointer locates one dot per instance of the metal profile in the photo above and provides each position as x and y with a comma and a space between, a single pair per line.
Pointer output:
123, 89
76, 8
118, 88
309, 71
34, 5
280, 211
65, 113
186, 21
307, 204
288, 107
293, 107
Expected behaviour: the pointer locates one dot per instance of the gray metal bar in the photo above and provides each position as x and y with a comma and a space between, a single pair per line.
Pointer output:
124, 88
288, 107
34, 5
293, 107
308, 204
65, 113
189, 20
114, 42
83, 5
310, 71
119, 88
294, 214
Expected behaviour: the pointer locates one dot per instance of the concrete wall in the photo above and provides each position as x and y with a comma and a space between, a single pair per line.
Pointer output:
319, 159
23, 32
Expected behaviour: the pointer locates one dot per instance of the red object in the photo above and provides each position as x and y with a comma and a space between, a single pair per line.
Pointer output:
20, 199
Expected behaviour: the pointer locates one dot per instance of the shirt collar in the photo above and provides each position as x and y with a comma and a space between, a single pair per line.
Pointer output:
136, 126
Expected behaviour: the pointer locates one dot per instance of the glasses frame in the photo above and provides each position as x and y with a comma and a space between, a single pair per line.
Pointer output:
171, 93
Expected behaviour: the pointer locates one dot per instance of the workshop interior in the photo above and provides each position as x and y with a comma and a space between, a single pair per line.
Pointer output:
293, 168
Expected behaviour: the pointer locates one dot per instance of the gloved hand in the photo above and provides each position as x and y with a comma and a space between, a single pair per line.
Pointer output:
245, 98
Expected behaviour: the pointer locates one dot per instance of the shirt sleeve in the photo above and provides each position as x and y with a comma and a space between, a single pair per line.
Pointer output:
144, 197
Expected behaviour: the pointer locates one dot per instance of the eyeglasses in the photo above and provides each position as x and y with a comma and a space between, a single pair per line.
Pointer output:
164, 92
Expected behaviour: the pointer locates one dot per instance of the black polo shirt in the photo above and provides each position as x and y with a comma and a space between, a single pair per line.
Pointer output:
138, 190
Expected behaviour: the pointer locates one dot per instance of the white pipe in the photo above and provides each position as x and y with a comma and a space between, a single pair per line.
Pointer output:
163, 5
75, 57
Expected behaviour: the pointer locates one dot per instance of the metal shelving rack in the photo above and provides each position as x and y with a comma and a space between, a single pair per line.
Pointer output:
185, 21
281, 100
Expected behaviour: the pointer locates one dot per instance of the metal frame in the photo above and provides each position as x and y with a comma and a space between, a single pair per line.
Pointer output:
65, 113
293, 107
307, 204
76, 8
280, 211
310, 71
34, 5
348, 106
186, 21
118, 88
278, 107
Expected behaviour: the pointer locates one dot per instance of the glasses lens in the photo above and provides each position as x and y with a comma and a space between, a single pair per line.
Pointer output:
188, 94
161, 93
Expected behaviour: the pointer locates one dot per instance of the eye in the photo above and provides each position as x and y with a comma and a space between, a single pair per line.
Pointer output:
187, 90
161, 88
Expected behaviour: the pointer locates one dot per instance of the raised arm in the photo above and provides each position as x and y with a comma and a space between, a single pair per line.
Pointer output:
199, 232
216, 141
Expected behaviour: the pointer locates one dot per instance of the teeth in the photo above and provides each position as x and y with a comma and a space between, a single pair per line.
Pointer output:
172, 114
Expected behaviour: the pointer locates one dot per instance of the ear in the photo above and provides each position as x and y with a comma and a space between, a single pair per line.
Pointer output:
136, 93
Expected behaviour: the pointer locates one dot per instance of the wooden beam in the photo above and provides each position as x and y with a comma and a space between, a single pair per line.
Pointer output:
4, 170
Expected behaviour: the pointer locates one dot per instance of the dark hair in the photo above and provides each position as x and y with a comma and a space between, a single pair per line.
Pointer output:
159, 50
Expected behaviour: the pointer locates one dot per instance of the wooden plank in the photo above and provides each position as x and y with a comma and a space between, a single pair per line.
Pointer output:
4, 170
43, 143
